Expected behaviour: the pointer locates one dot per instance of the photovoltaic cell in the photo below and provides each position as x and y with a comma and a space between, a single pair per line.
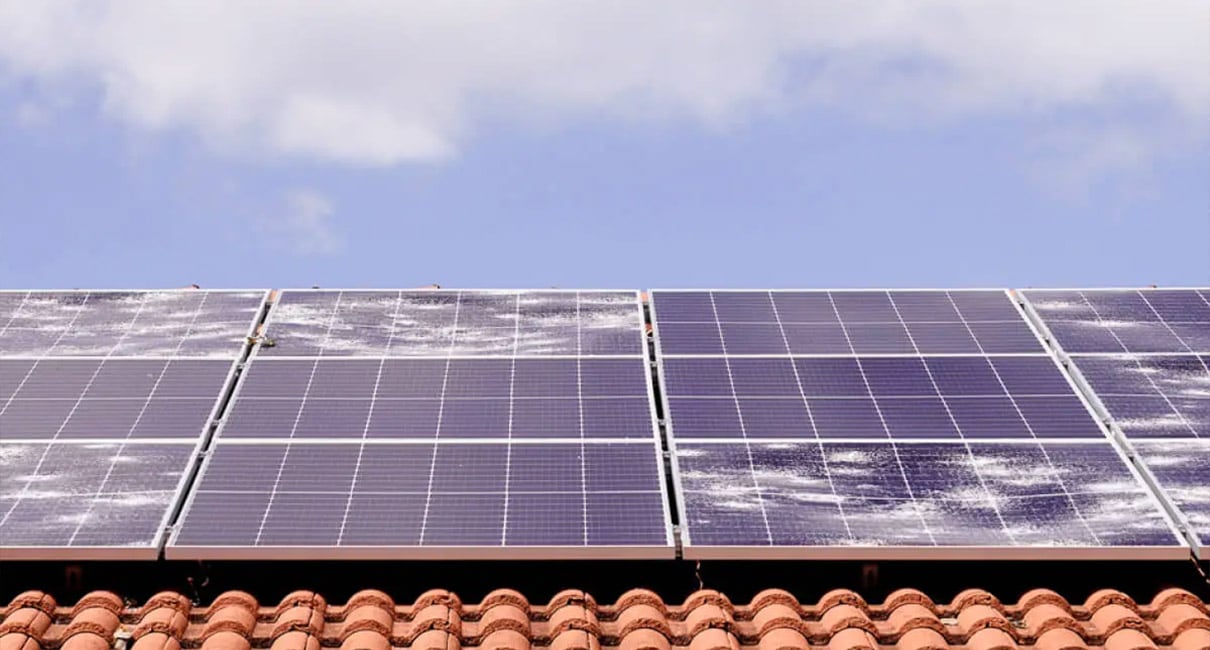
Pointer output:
438, 423
913, 422
104, 399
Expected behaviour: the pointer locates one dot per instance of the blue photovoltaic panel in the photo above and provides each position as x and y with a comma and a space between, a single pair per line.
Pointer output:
460, 323
1053, 494
103, 499
438, 423
1114, 321
186, 323
957, 397
842, 322
421, 495
110, 398
104, 399
1143, 354
925, 422
443, 398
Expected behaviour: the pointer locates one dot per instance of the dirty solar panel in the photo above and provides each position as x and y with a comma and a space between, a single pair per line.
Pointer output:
1012, 496
1153, 396
914, 424
1116, 321
458, 323
185, 323
86, 500
104, 399
523, 422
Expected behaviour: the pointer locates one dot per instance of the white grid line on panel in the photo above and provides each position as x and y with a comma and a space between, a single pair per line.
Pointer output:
760, 498
950, 414
344, 519
428, 498
1045, 454
811, 418
580, 410
894, 448
508, 453
302, 405
147, 402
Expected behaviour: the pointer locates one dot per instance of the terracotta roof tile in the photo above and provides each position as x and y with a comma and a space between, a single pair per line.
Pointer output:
639, 620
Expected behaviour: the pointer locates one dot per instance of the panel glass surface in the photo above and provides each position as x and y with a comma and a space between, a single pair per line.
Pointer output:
1143, 353
1115, 321
1153, 396
460, 323
105, 397
98, 499
440, 495
438, 423
842, 322
930, 421
1056, 494
187, 323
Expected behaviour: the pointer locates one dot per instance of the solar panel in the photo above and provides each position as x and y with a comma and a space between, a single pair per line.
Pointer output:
1141, 354
454, 424
1115, 321
105, 398
900, 442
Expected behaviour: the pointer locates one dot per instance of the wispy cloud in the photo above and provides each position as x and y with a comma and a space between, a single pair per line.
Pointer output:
303, 225
372, 83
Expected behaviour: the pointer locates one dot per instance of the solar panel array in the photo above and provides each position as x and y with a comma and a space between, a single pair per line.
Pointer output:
1145, 354
522, 424
105, 397
868, 424
438, 424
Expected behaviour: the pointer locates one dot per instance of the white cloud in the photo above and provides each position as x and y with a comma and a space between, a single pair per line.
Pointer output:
303, 225
379, 83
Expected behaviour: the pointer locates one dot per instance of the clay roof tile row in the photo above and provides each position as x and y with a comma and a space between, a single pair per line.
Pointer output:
639, 620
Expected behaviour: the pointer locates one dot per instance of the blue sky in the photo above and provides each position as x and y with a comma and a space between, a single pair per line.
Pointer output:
941, 147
